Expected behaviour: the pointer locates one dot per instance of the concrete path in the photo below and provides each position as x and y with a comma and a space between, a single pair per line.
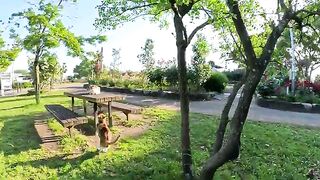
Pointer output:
214, 107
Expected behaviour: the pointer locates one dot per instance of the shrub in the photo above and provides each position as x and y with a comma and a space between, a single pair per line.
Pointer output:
268, 88
171, 76
104, 82
199, 74
216, 82
316, 88
317, 79
27, 85
156, 76
234, 75
16, 85
93, 82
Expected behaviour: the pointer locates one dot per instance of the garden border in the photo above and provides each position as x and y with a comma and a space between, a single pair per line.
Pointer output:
159, 93
288, 106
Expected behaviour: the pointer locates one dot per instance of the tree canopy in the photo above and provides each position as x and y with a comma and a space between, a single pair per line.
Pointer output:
45, 31
7, 55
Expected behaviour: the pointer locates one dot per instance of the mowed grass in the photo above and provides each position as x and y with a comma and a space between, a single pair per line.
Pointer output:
269, 151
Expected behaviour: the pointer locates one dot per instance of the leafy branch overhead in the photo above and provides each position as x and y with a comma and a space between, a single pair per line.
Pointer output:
46, 31
7, 55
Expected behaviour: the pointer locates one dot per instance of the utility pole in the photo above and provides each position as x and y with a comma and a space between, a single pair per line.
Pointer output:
293, 65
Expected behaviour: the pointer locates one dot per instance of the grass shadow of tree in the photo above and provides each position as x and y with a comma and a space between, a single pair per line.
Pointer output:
18, 133
58, 161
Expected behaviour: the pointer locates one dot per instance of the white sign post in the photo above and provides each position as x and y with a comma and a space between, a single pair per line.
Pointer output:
5, 83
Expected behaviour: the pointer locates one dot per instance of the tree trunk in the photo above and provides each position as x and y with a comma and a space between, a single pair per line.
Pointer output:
231, 149
184, 108
224, 120
181, 43
37, 79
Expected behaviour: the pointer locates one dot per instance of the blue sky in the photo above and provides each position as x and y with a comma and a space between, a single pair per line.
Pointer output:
80, 17
129, 38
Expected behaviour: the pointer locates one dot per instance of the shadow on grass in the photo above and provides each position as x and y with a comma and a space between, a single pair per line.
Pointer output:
58, 161
18, 133
25, 97
16, 107
87, 129
11, 99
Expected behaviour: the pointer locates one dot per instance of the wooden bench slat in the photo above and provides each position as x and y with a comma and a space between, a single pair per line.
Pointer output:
125, 108
65, 117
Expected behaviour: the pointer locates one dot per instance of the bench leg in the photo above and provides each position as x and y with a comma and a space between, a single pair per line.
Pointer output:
127, 115
69, 128
72, 104
109, 113
85, 107
95, 115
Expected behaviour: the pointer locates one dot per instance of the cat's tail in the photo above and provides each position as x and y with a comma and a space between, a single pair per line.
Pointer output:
115, 140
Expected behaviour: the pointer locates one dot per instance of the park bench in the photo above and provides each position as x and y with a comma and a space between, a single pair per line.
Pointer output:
65, 117
125, 108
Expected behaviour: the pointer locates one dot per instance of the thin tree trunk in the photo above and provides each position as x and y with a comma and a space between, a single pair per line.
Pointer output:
181, 43
231, 149
225, 115
37, 79
184, 108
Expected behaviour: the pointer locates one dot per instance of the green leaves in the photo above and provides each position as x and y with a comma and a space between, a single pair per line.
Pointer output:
113, 13
146, 58
7, 55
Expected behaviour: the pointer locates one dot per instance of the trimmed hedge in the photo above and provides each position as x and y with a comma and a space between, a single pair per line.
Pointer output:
216, 82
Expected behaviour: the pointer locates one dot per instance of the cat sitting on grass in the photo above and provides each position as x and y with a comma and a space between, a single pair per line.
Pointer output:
105, 134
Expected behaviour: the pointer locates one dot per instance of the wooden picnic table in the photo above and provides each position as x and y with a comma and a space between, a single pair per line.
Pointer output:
96, 99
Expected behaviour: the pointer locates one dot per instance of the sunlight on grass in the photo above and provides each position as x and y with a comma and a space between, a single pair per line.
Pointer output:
269, 151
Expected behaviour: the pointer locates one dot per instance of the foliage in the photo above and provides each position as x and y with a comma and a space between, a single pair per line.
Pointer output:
46, 31
216, 82
84, 69
316, 88
146, 57
235, 75
7, 55
270, 151
50, 69
317, 79
156, 76
171, 76
22, 85
199, 71
267, 88
115, 63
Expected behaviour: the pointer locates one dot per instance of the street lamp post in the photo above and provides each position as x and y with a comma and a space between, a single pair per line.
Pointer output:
293, 66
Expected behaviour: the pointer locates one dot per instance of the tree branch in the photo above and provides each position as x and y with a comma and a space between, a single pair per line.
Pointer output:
242, 31
237, 45
273, 38
198, 28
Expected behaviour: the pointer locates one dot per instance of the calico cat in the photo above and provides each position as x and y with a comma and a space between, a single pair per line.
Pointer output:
105, 133
93, 89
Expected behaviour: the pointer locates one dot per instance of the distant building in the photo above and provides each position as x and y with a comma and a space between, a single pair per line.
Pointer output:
214, 67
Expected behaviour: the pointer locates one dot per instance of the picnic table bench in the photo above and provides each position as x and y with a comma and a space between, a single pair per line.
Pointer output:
125, 108
65, 117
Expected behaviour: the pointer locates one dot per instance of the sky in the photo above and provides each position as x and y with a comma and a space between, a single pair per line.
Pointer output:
79, 18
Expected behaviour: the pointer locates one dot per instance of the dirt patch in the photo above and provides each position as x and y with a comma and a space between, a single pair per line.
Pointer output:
49, 141
135, 127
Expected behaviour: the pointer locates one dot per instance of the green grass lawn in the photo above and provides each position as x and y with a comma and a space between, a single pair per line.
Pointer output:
269, 151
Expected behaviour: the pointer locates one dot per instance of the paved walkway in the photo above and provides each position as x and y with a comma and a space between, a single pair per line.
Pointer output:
214, 107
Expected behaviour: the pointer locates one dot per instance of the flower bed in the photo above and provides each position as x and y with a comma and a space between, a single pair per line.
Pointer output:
288, 106
158, 93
